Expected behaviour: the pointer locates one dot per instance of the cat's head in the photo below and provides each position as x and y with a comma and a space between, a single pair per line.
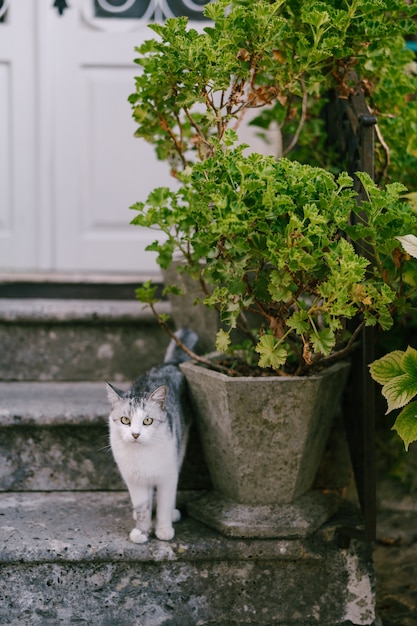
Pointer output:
137, 420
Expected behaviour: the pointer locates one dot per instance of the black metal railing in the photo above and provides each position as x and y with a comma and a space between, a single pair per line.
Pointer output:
351, 126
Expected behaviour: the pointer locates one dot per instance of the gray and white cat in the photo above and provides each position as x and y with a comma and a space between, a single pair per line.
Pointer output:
149, 426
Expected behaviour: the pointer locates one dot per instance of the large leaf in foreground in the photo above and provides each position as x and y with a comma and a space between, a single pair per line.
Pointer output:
397, 373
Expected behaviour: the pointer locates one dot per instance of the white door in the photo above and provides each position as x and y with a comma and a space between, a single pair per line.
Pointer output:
19, 234
100, 169
69, 164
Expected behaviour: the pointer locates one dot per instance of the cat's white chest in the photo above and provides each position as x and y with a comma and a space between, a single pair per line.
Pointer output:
146, 463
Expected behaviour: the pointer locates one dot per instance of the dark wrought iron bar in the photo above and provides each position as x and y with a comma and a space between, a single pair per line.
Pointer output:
352, 125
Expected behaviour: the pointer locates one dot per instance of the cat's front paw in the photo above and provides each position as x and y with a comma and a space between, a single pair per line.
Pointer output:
165, 533
138, 536
176, 515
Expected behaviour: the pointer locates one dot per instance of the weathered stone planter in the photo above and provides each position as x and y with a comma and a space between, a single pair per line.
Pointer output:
263, 439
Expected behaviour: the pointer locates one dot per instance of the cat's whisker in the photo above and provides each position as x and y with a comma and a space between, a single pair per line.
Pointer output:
106, 441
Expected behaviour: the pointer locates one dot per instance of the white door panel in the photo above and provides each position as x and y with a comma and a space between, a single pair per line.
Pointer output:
100, 168
19, 241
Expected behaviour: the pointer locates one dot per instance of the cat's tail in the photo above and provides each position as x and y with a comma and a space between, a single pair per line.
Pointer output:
175, 354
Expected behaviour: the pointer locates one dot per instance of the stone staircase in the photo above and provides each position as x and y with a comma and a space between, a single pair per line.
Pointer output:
65, 557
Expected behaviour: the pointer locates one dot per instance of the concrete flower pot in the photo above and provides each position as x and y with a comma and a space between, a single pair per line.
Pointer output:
263, 438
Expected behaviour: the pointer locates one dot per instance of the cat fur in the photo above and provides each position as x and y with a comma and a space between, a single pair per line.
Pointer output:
149, 456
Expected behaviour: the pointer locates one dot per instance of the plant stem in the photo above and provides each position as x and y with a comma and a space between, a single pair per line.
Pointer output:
301, 122
195, 357
174, 139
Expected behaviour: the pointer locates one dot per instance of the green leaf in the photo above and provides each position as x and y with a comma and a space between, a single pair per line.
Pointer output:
315, 17
399, 391
388, 367
409, 362
159, 196
273, 354
397, 372
299, 322
222, 341
146, 293
230, 137
406, 424
323, 341
173, 290
279, 285
230, 313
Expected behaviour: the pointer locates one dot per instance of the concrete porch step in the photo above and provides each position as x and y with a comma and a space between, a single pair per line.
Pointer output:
77, 339
65, 558
54, 436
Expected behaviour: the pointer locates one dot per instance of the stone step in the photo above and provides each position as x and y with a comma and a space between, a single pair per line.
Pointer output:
54, 436
77, 339
65, 558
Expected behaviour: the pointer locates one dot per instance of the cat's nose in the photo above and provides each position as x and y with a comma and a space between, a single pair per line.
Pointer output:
135, 435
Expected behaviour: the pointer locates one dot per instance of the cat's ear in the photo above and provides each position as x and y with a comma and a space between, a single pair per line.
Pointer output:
159, 395
113, 393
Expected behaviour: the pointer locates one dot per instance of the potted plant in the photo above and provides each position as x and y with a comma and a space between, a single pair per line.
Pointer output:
274, 238
271, 243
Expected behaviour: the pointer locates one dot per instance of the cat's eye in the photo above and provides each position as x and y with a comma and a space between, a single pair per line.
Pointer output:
125, 420
147, 421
